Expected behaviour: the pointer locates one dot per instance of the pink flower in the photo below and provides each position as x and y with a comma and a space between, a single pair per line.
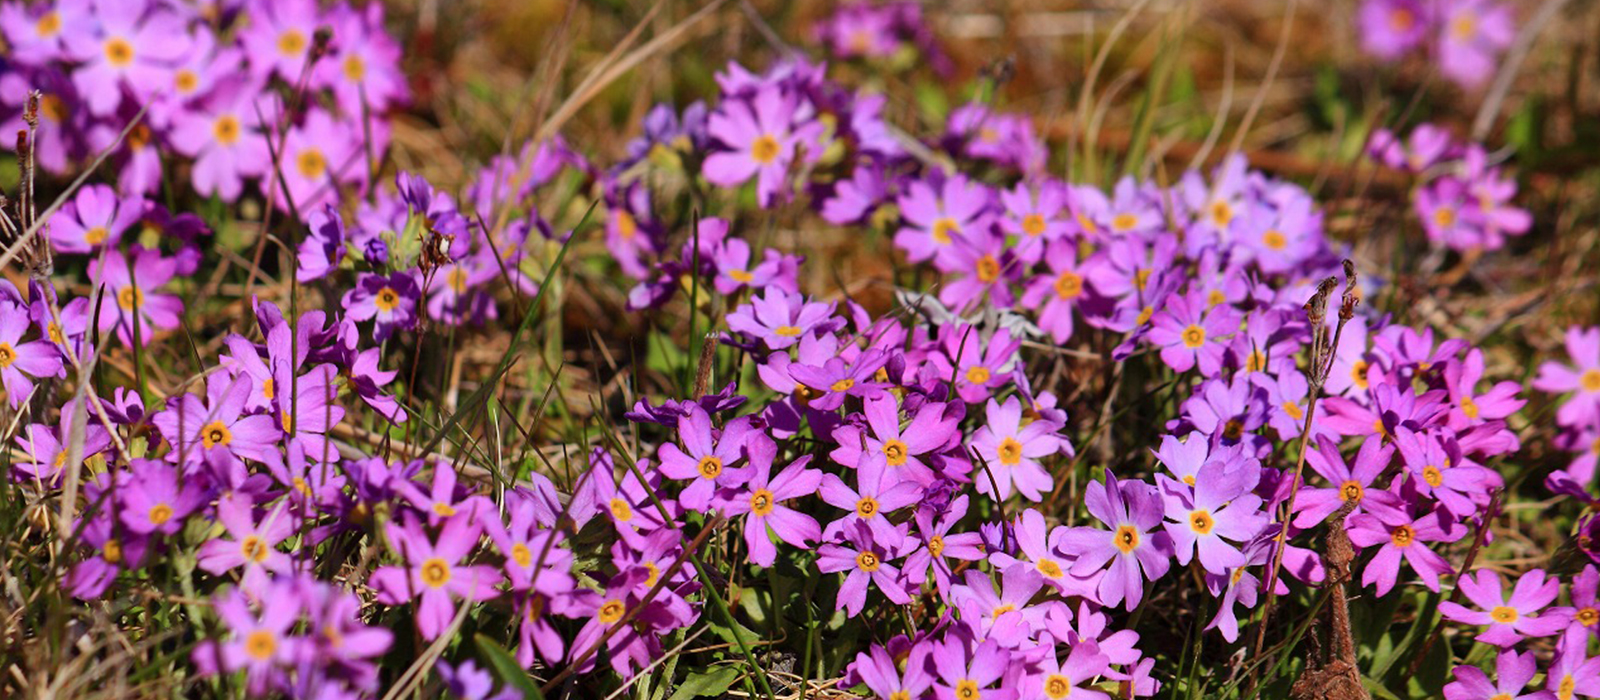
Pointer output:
433, 571
1010, 452
1509, 619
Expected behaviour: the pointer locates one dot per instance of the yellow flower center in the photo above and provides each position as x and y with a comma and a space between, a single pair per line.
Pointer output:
130, 298
1201, 522
1445, 217
1215, 297
435, 572
942, 228
1587, 616
1127, 538
1464, 26
967, 690
1069, 285
185, 81
1002, 609
1469, 407
612, 611
761, 502
119, 53
1010, 452
1358, 373
160, 513
1057, 687
936, 545
867, 561
1255, 362
443, 510
48, 24
1221, 213
867, 507
1590, 380
96, 235
1144, 315
1033, 224
1351, 491
1403, 536
710, 467
54, 331
988, 269
741, 276
111, 551
620, 510
53, 108
260, 645
627, 226
214, 434
354, 68
291, 43
1194, 336
1274, 239
764, 150
978, 375
268, 390
1049, 568
1503, 614
311, 164
843, 384
521, 555
254, 549
1124, 222
387, 299
8, 355
786, 331
895, 452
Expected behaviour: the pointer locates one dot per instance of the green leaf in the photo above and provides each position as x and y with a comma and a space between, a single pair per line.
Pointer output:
507, 668
709, 683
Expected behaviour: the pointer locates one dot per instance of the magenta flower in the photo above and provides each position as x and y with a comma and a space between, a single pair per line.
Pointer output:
1390, 28
95, 217
1188, 331
986, 267
1585, 593
129, 45
535, 559
1136, 546
900, 451
979, 367
22, 363
129, 297
884, 677
1573, 673
222, 136
760, 138
317, 158
1581, 378
1512, 672
1010, 452
253, 544
217, 428
829, 384
433, 571
45, 457
154, 498
363, 69
867, 562
1219, 509
110, 549
1349, 482
1066, 678
877, 494
262, 644
761, 501
1439, 470
1042, 547
1036, 216
1472, 35
936, 544
1510, 619
706, 458
636, 644
1399, 536
1059, 291
935, 218
969, 670
1004, 615
780, 318
278, 37
390, 302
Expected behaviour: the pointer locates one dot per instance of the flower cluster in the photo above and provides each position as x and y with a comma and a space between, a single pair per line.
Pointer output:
209, 85
1462, 199
1464, 37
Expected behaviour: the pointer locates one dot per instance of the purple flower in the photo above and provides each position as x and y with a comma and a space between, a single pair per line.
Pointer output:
877, 494
935, 218
154, 498
1512, 672
1065, 678
278, 37
936, 543
1509, 619
780, 318
1187, 331
262, 644
254, 545
128, 45
969, 670
218, 428
1135, 545
390, 302
978, 367
363, 68
318, 156
1350, 482
1005, 615
129, 297
1573, 673
760, 136
1582, 378
867, 562
829, 384
1472, 35
1010, 452
1059, 291
761, 500
1438, 469
1390, 28
1220, 508
222, 135
23, 363
433, 571
96, 217
1398, 536
883, 676
706, 458
636, 644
